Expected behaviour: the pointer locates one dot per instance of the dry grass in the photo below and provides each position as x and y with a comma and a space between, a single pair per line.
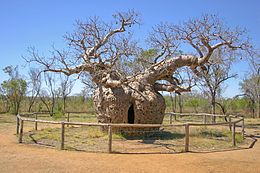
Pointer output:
167, 140
164, 141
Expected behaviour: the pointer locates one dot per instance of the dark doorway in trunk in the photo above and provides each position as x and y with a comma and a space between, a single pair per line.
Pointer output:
131, 115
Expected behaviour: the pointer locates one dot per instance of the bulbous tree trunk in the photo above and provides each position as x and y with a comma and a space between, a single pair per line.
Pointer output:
129, 104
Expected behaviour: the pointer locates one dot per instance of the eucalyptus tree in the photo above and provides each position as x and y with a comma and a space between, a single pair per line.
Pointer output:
14, 89
250, 85
212, 80
49, 94
34, 84
65, 89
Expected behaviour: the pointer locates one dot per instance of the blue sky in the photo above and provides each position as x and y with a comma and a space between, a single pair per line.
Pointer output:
43, 23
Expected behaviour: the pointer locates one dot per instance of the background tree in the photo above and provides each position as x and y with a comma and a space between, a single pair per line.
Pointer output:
216, 74
49, 94
66, 85
194, 102
251, 90
96, 47
14, 89
250, 86
4, 104
34, 83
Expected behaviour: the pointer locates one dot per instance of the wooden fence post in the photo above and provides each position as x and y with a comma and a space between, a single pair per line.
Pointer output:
17, 125
205, 119
170, 118
229, 119
68, 119
21, 132
36, 123
234, 134
187, 135
109, 139
243, 128
62, 136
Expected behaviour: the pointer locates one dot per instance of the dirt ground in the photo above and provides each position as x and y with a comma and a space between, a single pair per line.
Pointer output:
16, 157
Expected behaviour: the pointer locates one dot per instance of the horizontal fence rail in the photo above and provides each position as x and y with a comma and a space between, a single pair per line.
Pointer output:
21, 118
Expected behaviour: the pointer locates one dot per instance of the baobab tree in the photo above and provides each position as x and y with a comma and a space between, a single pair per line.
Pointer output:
96, 47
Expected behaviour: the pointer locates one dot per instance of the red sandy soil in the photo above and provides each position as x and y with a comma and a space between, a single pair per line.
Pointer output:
16, 157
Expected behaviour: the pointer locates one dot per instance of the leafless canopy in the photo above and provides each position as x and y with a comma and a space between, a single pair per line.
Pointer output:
96, 46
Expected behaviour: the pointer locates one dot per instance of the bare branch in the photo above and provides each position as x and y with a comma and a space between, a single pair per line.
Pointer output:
93, 42
207, 34
171, 88
103, 48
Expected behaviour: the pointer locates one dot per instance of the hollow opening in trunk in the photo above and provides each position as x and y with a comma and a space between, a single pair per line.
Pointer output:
131, 115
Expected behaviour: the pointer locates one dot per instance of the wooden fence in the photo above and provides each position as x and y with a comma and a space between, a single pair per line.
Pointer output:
231, 122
